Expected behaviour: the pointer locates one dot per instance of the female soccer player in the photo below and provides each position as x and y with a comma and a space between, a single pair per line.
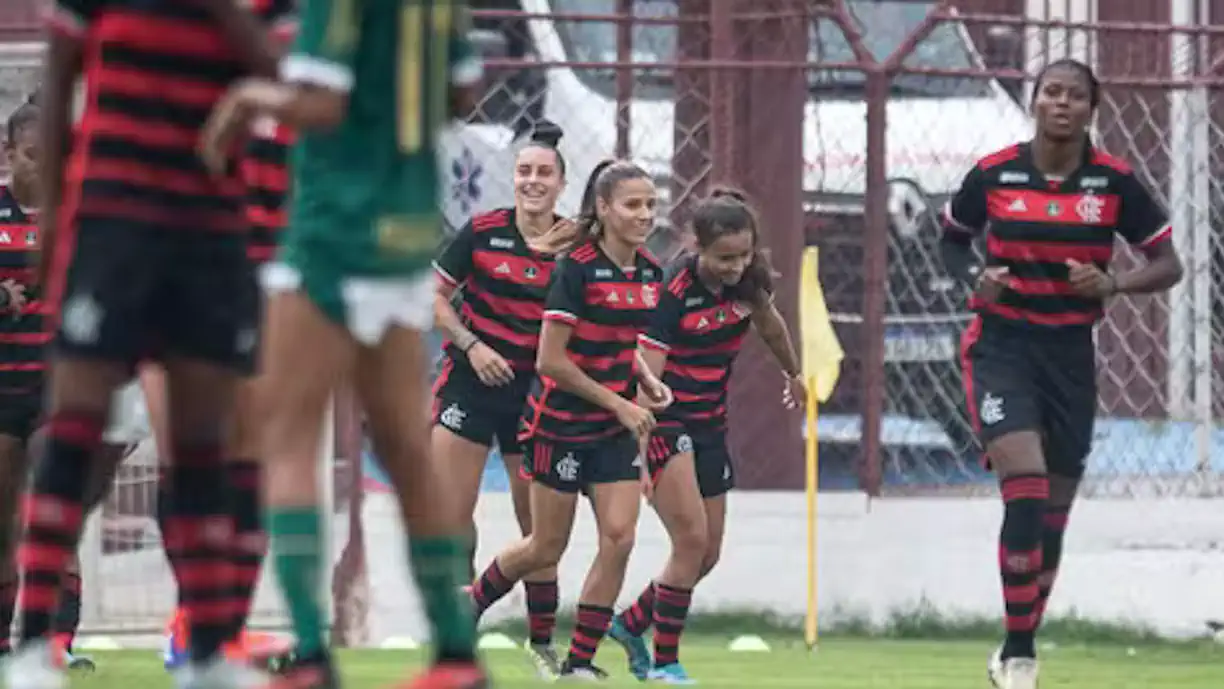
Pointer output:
137, 278
491, 350
1049, 208
710, 300
582, 427
351, 294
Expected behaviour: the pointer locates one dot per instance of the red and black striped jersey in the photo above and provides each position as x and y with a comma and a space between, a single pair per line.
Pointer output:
153, 72
504, 286
1035, 225
23, 338
608, 307
701, 331
265, 171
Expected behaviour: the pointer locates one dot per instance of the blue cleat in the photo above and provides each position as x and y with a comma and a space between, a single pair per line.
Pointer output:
174, 655
640, 660
670, 674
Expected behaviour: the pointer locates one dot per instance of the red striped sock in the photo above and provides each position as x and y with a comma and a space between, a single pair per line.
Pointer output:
637, 618
1055, 524
670, 614
590, 626
542, 601
1024, 500
52, 514
491, 587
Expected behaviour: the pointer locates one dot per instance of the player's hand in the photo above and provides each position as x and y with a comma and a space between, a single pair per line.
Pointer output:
646, 481
992, 282
227, 125
654, 394
490, 367
794, 393
1087, 280
16, 296
559, 236
638, 420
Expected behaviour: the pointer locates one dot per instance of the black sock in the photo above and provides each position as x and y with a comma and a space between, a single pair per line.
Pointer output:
1051, 555
1024, 500
68, 618
542, 601
53, 512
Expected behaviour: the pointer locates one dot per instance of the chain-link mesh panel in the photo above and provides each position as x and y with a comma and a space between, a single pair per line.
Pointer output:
1156, 373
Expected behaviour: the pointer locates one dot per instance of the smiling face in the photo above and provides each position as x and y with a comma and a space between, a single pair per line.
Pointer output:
629, 211
728, 256
537, 180
1063, 103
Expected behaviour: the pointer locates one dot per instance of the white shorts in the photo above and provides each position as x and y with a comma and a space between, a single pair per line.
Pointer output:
371, 305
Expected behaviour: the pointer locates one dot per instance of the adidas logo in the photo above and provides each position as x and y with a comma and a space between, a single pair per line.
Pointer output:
1017, 206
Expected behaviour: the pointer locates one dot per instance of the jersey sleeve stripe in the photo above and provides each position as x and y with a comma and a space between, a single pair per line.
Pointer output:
562, 316
445, 276
467, 71
651, 343
317, 71
1160, 235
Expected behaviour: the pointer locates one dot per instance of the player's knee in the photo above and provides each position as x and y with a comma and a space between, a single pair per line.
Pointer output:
616, 541
546, 549
712, 555
689, 540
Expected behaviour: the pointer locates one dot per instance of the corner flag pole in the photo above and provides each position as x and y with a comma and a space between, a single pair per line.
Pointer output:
811, 627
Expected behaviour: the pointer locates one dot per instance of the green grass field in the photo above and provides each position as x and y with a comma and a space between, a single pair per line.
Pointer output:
837, 664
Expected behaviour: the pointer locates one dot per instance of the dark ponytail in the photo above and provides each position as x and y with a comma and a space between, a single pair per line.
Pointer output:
728, 211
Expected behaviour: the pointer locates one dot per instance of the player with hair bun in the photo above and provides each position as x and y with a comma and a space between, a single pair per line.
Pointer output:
492, 333
711, 298
583, 427
1050, 209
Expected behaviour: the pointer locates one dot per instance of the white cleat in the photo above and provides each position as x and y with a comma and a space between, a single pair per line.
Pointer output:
218, 674
32, 666
1013, 673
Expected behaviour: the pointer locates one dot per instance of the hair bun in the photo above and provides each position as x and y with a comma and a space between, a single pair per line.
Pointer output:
728, 193
547, 133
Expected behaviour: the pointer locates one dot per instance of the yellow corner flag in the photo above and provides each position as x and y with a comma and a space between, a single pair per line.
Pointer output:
822, 357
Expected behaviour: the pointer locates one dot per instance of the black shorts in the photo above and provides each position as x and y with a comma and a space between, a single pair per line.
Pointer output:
711, 458
138, 292
571, 467
473, 411
1019, 380
21, 415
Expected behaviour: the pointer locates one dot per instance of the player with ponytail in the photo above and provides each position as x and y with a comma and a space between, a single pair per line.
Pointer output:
710, 300
585, 419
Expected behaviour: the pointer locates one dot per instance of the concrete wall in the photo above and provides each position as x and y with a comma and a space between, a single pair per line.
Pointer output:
1155, 562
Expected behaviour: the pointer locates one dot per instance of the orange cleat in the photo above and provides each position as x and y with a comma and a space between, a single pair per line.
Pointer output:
451, 675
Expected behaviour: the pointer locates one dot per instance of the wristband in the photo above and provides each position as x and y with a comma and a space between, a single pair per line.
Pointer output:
467, 344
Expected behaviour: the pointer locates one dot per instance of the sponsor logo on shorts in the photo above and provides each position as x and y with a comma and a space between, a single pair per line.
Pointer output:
567, 467
684, 443
82, 319
452, 417
991, 411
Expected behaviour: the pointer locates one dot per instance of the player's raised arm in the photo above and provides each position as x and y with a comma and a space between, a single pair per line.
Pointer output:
466, 69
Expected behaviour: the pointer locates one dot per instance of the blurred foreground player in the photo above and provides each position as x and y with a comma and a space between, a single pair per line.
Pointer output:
1050, 209
23, 340
366, 87
141, 241
710, 300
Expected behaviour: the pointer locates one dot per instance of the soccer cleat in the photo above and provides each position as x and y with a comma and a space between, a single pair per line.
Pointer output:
672, 673
582, 673
546, 660
33, 666
640, 660
451, 675
305, 673
218, 673
78, 663
1013, 673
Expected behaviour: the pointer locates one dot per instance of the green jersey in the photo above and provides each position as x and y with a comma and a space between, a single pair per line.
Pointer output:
365, 194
